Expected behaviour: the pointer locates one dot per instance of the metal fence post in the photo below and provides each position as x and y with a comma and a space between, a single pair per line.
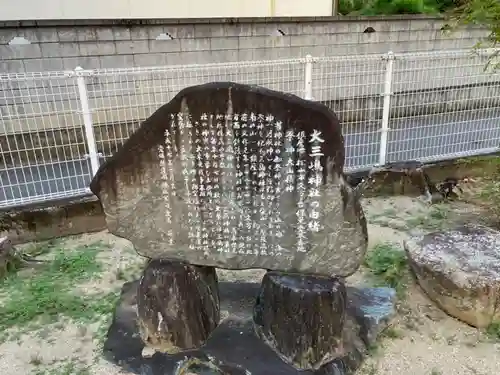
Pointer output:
386, 111
308, 78
87, 118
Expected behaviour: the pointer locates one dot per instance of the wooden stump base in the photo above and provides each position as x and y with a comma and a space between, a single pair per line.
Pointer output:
235, 348
301, 318
177, 305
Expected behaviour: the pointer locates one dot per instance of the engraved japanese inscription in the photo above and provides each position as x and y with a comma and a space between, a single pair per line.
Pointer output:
237, 177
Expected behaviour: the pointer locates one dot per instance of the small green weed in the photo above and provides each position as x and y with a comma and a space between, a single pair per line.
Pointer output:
490, 193
373, 349
392, 333
389, 266
36, 360
382, 218
131, 272
439, 212
371, 370
493, 331
490, 190
437, 218
67, 368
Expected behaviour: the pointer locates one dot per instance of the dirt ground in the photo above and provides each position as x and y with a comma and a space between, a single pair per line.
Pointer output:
422, 340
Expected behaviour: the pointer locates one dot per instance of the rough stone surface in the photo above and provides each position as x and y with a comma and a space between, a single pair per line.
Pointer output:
406, 177
178, 305
8, 261
375, 309
133, 186
301, 318
233, 346
460, 271
42, 222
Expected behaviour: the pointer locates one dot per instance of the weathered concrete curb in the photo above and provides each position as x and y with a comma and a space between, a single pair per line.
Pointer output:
59, 219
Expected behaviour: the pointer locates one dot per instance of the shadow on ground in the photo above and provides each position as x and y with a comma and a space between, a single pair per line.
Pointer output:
234, 343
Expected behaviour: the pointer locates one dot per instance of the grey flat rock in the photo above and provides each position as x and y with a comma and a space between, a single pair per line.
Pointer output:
214, 178
460, 270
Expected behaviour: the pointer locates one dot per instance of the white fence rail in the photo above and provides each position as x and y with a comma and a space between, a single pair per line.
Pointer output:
56, 128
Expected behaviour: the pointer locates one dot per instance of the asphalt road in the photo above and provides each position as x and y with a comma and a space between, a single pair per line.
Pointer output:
424, 137
409, 138
41, 182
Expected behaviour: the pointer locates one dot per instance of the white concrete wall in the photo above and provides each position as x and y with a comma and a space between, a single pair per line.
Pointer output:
133, 9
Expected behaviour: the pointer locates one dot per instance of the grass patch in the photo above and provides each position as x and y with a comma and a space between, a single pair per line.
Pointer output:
67, 368
49, 293
131, 272
388, 265
392, 333
437, 218
490, 195
488, 159
382, 217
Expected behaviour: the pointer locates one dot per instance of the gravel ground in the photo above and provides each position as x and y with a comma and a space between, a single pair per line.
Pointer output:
427, 342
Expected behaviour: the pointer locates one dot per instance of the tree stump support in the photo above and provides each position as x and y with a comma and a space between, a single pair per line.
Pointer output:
301, 318
178, 305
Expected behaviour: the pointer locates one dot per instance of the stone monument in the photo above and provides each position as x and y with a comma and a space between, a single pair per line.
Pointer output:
237, 177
